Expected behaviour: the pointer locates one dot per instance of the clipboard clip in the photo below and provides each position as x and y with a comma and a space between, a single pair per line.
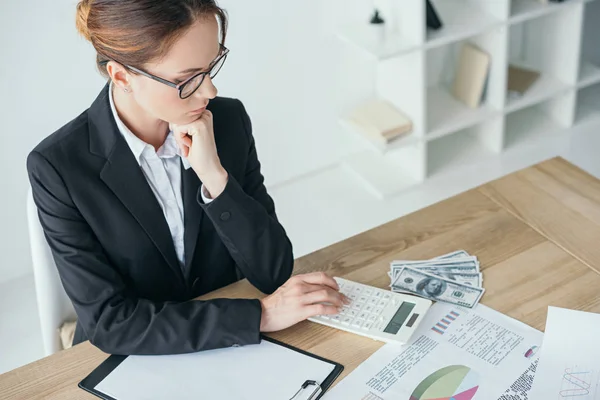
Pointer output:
304, 386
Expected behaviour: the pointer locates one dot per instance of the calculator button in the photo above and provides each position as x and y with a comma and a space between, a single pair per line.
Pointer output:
357, 289
369, 308
325, 316
377, 311
378, 294
373, 301
353, 296
346, 320
363, 315
358, 323
362, 299
352, 313
336, 318
357, 306
367, 325
371, 317
368, 292
387, 296
382, 303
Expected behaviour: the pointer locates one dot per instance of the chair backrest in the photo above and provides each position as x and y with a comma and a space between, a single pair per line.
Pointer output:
54, 306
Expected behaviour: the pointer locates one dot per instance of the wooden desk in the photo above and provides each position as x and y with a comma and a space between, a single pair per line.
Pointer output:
536, 233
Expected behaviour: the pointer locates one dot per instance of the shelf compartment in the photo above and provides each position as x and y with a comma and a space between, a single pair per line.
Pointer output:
462, 19
524, 10
588, 103
538, 122
548, 44
445, 113
464, 147
589, 72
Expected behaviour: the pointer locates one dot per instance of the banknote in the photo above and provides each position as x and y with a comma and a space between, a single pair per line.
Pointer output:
454, 254
456, 265
466, 278
436, 288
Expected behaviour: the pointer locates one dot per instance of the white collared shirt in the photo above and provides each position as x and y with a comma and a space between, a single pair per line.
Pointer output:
162, 170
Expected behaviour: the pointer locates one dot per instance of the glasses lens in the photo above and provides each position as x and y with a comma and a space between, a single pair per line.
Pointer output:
190, 87
217, 67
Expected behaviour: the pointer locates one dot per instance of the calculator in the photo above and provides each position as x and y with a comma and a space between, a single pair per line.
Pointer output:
377, 313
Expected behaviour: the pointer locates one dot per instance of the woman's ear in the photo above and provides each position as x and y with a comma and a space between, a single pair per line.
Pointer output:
119, 75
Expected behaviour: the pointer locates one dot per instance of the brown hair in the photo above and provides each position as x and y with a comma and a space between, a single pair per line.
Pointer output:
134, 32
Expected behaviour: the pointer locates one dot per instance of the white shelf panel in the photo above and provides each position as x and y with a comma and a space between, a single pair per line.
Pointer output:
447, 114
402, 141
588, 103
544, 88
370, 41
589, 74
454, 151
529, 125
460, 20
381, 177
524, 10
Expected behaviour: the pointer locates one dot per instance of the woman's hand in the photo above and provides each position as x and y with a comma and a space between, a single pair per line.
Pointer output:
197, 144
301, 297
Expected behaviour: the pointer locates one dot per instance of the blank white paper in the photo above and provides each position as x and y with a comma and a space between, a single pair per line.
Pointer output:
264, 371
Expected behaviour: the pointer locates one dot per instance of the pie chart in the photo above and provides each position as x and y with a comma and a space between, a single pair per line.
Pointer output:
455, 382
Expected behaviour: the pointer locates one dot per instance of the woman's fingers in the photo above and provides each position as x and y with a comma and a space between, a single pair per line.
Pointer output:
308, 288
319, 278
325, 295
320, 309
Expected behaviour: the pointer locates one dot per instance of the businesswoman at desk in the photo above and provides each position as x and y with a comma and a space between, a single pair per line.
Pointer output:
154, 195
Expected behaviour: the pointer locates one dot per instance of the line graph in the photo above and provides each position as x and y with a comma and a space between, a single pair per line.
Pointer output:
579, 383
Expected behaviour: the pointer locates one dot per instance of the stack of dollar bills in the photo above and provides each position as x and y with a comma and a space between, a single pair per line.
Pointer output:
452, 278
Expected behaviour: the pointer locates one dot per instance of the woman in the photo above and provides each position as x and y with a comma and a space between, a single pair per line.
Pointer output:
154, 195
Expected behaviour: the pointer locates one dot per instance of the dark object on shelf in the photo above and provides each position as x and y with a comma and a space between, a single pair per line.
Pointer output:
520, 80
376, 18
433, 20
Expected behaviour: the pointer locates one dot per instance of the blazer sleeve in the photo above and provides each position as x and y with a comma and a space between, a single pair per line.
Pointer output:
112, 316
244, 217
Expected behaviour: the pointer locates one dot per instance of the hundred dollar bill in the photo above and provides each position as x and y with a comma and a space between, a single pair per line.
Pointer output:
472, 278
469, 266
436, 288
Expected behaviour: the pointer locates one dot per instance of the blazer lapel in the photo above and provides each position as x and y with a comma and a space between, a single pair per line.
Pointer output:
125, 178
193, 213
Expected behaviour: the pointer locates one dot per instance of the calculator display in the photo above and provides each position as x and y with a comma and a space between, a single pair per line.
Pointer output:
399, 318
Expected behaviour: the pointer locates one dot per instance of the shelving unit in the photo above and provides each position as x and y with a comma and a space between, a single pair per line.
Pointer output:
415, 67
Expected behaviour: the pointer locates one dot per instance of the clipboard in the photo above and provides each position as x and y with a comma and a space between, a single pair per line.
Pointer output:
307, 388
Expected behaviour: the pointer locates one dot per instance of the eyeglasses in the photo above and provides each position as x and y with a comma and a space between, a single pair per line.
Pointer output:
190, 85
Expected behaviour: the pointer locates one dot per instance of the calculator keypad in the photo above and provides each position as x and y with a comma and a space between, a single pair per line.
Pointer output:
365, 308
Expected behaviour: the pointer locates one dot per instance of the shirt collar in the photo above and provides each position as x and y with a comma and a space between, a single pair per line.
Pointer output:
138, 147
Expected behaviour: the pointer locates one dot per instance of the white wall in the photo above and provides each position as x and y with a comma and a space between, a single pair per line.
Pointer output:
285, 65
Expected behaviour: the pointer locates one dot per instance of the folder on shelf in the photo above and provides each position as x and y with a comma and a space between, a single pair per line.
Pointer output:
270, 370
471, 75
520, 79
380, 121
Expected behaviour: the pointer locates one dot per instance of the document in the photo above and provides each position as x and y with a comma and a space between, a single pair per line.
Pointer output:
457, 353
265, 371
569, 366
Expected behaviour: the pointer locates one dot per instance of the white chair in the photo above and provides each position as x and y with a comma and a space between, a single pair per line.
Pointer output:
54, 306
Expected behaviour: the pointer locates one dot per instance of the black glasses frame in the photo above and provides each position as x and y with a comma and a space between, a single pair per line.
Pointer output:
180, 86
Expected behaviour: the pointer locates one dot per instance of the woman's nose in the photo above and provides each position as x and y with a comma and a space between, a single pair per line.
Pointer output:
207, 90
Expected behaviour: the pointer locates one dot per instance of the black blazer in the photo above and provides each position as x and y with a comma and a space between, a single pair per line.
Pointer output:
113, 248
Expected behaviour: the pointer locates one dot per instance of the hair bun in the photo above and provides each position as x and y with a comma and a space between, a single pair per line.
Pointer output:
83, 11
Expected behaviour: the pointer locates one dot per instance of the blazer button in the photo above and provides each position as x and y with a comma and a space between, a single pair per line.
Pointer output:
225, 216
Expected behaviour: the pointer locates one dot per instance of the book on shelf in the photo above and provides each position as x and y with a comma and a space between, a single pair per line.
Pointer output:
380, 121
471, 75
520, 80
